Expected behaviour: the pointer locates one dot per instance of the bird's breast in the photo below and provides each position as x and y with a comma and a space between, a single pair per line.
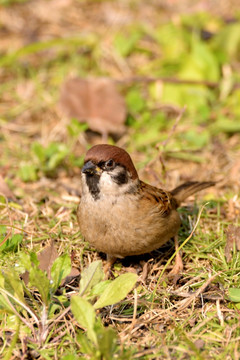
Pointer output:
120, 226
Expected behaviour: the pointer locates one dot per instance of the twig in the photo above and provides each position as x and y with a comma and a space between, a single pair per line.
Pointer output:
5, 238
140, 79
29, 325
59, 317
5, 292
134, 310
188, 301
17, 228
203, 323
219, 313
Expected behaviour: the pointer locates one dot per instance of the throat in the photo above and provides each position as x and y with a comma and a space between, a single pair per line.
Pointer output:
93, 186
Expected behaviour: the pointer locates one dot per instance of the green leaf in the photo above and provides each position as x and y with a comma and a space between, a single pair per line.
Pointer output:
3, 228
12, 243
234, 294
70, 357
135, 101
172, 39
224, 124
3, 201
38, 279
200, 64
227, 42
26, 261
57, 158
10, 282
60, 269
126, 44
117, 290
28, 172
76, 127
107, 341
98, 289
196, 139
39, 151
91, 276
85, 315
4, 305
87, 347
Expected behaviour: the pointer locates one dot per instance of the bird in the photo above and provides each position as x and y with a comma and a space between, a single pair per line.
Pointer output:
119, 214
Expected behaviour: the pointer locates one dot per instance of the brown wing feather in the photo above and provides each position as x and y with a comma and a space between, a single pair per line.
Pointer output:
163, 200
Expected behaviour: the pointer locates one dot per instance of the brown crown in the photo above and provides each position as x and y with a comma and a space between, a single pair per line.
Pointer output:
104, 152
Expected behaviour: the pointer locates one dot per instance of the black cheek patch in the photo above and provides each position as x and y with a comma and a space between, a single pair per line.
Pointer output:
93, 186
121, 178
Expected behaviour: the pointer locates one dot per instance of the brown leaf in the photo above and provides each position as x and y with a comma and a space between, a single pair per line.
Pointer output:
73, 274
233, 239
47, 257
4, 190
199, 343
25, 277
96, 101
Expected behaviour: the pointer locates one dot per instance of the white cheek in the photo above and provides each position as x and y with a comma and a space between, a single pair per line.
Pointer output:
106, 183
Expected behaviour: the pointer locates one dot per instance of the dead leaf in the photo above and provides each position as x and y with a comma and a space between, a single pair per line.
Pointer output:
95, 101
73, 274
25, 277
199, 343
4, 190
233, 239
47, 257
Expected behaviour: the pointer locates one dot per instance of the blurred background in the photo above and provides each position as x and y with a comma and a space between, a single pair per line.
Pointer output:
75, 73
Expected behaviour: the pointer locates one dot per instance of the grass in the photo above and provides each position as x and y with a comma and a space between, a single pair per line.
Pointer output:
154, 58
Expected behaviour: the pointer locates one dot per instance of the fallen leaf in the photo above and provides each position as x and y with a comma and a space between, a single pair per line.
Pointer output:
73, 274
95, 101
199, 343
25, 277
233, 239
47, 257
4, 190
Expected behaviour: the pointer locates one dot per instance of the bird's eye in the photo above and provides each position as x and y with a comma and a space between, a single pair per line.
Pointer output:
109, 164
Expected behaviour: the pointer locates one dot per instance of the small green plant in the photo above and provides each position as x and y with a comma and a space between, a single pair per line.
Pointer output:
95, 293
47, 159
43, 159
37, 309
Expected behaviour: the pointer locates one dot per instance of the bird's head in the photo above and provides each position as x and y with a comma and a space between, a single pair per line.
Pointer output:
108, 170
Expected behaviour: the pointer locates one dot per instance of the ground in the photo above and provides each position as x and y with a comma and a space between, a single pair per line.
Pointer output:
177, 69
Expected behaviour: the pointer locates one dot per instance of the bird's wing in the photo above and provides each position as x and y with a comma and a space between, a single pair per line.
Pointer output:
163, 200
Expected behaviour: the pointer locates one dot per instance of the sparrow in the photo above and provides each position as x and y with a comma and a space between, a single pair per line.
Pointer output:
119, 214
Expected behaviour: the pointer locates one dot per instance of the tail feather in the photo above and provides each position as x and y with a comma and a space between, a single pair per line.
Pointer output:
189, 188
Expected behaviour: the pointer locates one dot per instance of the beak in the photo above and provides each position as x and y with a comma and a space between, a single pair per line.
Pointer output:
91, 169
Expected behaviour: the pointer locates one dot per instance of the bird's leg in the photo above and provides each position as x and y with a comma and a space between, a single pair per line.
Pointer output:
107, 267
178, 267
